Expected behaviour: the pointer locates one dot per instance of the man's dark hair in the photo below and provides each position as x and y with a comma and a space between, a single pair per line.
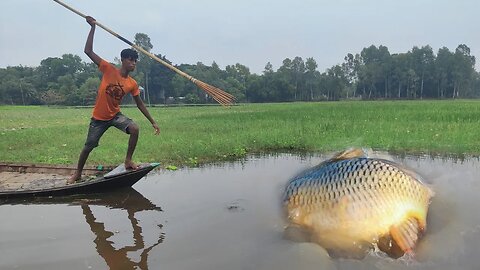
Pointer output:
129, 53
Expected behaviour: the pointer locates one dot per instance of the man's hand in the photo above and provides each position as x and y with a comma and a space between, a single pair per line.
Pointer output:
157, 129
90, 20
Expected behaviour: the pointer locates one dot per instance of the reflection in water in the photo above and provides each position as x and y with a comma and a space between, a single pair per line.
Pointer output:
127, 200
225, 217
118, 258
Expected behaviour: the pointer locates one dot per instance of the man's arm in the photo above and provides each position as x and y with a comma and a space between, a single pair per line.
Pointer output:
89, 44
143, 109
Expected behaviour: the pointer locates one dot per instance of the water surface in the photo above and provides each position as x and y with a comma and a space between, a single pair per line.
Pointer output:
225, 216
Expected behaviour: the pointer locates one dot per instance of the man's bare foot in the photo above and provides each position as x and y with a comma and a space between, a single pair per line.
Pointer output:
129, 165
73, 179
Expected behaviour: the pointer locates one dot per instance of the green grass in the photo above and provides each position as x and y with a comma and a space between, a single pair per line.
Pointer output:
195, 135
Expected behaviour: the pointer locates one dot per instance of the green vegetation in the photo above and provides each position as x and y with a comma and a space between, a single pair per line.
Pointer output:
371, 74
195, 135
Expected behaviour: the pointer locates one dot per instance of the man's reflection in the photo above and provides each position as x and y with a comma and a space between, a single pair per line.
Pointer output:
132, 202
128, 200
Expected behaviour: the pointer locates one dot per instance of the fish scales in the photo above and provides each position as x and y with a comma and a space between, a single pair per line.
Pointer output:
359, 199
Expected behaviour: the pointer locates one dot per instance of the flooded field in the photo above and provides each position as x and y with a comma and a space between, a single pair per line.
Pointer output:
227, 216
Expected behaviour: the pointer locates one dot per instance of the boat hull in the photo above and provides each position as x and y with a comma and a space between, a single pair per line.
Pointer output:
125, 178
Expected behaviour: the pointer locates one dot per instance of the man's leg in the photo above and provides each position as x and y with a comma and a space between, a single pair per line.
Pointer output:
133, 130
127, 125
95, 132
81, 163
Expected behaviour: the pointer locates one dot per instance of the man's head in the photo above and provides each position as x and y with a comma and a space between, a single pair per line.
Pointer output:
129, 59
129, 53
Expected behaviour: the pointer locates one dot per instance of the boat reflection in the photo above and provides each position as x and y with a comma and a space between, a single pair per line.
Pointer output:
107, 244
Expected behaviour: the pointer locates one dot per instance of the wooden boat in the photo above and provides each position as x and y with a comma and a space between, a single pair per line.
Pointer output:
17, 184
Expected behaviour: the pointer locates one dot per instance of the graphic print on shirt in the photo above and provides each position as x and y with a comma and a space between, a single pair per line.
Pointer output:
115, 91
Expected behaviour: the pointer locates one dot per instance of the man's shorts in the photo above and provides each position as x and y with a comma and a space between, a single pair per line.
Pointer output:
98, 127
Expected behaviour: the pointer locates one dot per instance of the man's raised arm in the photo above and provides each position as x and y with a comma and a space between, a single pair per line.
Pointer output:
89, 44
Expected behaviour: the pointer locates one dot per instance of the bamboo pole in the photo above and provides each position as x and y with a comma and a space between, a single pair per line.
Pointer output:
217, 94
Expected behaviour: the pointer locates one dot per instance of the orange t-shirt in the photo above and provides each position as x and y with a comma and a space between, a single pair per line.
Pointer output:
111, 91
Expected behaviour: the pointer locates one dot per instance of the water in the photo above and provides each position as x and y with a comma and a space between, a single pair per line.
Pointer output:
223, 217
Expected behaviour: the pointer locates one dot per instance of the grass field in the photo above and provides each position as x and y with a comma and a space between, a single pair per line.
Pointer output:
195, 135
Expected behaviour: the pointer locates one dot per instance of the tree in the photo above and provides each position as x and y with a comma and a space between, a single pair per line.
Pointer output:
16, 86
284, 81
53, 67
160, 81
261, 88
258, 88
144, 64
400, 63
372, 73
463, 70
443, 71
376, 70
88, 91
72, 63
423, 65
241, 74
311, 75
298, 69
336, 82
68, 90
351, 68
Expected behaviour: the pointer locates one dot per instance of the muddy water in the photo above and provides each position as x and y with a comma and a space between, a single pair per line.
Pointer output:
223, 217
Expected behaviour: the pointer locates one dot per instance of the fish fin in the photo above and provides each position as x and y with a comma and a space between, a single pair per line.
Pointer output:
406, 234
389, 246
350, 153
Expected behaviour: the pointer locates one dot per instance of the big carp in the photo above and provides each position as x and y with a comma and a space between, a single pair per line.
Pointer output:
352, 203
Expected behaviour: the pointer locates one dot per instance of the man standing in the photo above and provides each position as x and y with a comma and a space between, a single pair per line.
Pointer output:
115, 84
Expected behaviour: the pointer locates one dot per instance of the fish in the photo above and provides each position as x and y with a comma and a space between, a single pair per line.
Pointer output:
352, 204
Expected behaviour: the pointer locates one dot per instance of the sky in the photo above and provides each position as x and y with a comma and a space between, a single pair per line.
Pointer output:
249, 32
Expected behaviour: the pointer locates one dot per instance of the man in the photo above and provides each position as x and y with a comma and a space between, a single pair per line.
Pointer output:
115, 84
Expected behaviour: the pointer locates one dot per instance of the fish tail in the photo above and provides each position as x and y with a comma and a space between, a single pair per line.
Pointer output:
406, 234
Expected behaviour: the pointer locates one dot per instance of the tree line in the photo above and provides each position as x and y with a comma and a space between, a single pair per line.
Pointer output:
374, 73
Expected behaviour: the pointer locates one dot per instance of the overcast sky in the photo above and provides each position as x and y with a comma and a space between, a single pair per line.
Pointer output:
249, 32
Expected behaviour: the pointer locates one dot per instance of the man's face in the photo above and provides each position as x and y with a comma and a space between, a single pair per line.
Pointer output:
129, 64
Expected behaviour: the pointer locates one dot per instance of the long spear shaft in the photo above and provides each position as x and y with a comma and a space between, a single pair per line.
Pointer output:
219, 95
